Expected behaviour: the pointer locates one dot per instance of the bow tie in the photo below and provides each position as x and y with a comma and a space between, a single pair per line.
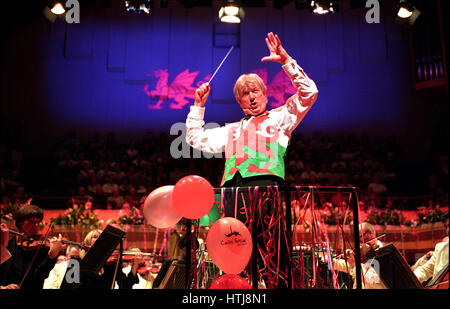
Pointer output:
247, 117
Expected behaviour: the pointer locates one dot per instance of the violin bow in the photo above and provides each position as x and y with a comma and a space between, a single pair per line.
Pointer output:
12, 232
119, 261
35, 255
73, 243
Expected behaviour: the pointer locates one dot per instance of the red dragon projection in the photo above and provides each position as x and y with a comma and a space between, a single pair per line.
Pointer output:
181, 90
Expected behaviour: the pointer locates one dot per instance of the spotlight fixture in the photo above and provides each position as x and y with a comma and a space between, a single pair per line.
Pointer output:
406, 12
57, 8
143, 6
323, 7
54, 10
231, 12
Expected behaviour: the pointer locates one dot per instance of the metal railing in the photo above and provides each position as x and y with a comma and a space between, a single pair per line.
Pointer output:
286, 193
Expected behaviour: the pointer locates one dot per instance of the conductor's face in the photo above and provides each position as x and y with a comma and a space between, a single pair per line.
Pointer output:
252, 98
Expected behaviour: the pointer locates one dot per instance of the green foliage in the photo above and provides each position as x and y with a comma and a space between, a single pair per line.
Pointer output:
332, 216
387, 216
78, 215
7, 211
134, 217
430, 215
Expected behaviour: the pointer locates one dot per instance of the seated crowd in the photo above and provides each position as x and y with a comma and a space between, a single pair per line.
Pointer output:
110, 172
113, 174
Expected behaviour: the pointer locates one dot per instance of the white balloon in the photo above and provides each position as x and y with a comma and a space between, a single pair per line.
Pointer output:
158, 208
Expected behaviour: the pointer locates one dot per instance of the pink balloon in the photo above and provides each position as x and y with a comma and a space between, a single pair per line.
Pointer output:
193, 197
158, 208
229, 244
230, 281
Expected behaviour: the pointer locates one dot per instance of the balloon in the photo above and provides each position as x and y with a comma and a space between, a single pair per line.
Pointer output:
229, 244
230, 281
193, 197
158, 208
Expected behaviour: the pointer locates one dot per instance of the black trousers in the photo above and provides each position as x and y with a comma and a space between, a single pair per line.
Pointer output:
271, 245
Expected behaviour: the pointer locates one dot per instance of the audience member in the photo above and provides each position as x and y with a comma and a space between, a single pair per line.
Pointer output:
115, 200
376, 187
132, 197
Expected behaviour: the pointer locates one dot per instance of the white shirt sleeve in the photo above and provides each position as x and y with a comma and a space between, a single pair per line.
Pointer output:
207, 140
434, 264
296, 107
371, 278
56, 276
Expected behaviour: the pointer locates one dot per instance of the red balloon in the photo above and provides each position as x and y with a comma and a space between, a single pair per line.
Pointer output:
193, 197
230, 281
229, 244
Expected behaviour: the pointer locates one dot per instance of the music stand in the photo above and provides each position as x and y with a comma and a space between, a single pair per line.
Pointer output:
102, 249
393, 269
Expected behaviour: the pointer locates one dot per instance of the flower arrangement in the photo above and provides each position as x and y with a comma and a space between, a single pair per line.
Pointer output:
78, 215
133, 217
331, 216
7, 209
429, 215
386, 216
412, 223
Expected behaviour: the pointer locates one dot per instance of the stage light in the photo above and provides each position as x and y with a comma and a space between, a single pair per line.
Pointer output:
406, 13
58, 8
405, 10
231, 12
143, 6
54, 10
323, 7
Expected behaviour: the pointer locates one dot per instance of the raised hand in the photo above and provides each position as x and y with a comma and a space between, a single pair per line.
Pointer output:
201, 94
277, 52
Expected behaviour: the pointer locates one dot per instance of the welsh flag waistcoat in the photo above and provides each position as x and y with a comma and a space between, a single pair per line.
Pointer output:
259, 149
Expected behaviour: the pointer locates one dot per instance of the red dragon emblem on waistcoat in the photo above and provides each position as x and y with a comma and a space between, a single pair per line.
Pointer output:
254, 136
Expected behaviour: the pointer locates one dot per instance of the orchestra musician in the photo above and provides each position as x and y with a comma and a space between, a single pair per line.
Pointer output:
369, 242
27, 268
145, 279
56, 276
437, 261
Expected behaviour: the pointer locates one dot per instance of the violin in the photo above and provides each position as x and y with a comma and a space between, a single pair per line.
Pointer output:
127, 256
441, 281
149, 268
366, 248
37, 241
